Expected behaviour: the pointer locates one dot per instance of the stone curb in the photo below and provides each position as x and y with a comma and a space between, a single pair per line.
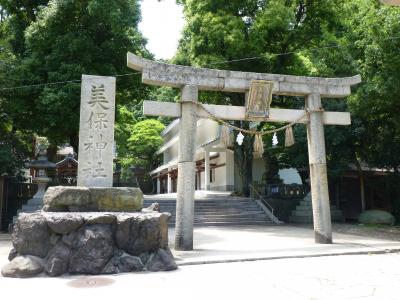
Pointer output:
221, 261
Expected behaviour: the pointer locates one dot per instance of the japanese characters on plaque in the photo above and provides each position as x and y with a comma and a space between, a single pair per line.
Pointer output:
96, 131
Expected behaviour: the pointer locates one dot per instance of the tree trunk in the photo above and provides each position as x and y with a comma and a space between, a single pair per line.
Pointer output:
244, 161
74, 141
1, 200
243, 155
52, 153
362, 185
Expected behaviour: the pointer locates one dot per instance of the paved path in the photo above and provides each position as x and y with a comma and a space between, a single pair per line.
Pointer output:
368, 276
222, 244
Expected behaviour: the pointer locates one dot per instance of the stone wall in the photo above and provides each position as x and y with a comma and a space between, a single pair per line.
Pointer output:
90, 231
89, 243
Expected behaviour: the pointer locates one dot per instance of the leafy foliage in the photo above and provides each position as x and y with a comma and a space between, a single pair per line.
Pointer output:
64, 40
15, 147
143, 142
376, 104
281, 36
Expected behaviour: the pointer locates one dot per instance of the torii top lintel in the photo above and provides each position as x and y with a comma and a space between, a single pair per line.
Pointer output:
161, 74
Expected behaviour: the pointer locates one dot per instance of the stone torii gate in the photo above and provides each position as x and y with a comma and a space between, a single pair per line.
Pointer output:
190, 80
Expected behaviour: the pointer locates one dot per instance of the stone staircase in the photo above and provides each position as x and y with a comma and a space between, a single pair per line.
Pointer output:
303, 212
217, 211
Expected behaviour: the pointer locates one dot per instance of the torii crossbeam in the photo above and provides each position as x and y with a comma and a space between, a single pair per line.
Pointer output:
190, 80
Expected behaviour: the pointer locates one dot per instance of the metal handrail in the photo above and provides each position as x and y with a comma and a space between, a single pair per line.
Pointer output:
261, 198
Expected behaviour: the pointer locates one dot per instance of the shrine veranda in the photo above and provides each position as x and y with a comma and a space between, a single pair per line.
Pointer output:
191, 80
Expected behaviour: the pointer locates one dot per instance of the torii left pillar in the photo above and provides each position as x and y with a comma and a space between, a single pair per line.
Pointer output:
186, 170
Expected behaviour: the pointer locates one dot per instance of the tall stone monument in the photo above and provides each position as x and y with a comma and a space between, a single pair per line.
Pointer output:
96, 131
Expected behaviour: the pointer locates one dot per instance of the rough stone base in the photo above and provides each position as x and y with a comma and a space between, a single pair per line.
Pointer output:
89, 243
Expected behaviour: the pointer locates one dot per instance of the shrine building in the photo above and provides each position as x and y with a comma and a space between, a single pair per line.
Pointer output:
211, 155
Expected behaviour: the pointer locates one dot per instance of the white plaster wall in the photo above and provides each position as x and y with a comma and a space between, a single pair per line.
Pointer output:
230, 168
200, 156
207, 130
224, 176
202, 181
220, 173
171, 153
171, 130
290, 176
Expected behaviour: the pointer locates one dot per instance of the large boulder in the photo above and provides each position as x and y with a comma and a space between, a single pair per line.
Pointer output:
100, 218
376, 217
92, 248
31, 235
67, 198
23, 267
64, 223
161, 260
140, 233
82, 199
89, 243
123, 262
130, 263
12, 254
117, 199
57, 261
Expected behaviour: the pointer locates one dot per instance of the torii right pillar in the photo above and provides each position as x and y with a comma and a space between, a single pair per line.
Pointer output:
318, 171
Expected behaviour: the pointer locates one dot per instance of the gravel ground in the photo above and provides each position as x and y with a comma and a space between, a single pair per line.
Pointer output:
378, 231
384, 232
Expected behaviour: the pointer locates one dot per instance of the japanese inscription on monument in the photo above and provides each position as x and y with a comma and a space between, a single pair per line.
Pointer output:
96, 131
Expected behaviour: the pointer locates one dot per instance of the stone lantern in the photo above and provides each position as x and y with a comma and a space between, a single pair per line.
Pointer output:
40, 165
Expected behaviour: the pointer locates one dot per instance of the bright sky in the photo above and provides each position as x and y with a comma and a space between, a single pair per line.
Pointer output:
161, 24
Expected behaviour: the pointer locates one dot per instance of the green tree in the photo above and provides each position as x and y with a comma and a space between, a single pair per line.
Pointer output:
376, 49
123, 130
369, 46
219, 34
63, 40
143, 143
18, 15
15, 145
